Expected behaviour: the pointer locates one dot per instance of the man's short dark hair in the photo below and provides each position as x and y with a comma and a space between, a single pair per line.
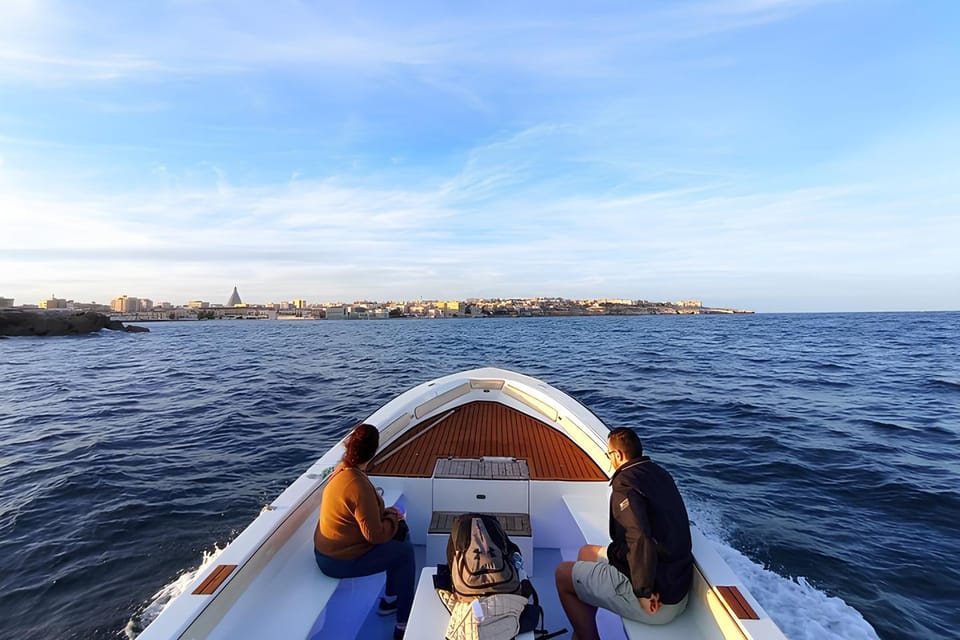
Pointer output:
626, 440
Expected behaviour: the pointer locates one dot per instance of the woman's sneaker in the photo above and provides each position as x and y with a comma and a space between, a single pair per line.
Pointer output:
387, 608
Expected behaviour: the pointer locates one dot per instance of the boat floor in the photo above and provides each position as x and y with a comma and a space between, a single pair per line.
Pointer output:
373, 626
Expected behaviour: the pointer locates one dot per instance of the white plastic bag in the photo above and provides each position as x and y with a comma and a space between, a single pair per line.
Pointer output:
495, 617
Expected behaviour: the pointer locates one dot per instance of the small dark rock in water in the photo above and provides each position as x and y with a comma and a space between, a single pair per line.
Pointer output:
32, 323
132, 328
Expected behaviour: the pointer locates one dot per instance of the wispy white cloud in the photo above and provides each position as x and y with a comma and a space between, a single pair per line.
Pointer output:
47, 40
121, 108
477, 233
19, 63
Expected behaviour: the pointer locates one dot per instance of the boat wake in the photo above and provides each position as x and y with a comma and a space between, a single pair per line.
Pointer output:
149, 612
802, 611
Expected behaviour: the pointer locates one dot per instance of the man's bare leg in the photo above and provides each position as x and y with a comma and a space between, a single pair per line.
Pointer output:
582, 616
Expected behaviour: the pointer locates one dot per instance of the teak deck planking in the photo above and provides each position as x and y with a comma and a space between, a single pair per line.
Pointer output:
487, 429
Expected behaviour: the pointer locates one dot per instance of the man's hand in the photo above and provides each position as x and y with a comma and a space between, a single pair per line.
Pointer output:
651, 605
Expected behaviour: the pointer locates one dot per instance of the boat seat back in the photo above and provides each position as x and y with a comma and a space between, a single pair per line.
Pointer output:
498, 486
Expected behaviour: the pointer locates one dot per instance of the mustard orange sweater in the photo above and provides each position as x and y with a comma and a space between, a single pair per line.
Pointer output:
352, 516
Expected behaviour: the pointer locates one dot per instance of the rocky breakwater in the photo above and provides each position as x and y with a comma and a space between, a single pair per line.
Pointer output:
62, 323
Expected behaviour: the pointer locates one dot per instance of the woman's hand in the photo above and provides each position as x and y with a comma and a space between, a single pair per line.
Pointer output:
395, 512
651, 605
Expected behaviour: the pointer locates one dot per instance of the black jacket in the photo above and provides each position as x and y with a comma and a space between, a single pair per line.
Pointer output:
650, 531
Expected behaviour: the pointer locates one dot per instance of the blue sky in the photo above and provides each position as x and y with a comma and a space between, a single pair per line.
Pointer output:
780, 155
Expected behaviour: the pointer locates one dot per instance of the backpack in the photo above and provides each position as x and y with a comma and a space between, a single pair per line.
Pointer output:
479, 556
480, 568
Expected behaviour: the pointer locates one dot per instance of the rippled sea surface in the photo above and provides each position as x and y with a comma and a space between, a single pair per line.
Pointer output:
821, 453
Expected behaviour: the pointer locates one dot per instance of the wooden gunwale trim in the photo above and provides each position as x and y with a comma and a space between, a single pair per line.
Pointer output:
514, 524
485, 428
737, 603
214, 579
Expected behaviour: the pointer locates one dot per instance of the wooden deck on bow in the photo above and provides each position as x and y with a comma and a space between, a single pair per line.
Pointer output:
487, 429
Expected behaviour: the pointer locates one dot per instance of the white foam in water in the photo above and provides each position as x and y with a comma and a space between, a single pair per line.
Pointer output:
166, 595
802, 611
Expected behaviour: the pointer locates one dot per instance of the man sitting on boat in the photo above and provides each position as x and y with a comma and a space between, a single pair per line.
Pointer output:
357, 536
646, 571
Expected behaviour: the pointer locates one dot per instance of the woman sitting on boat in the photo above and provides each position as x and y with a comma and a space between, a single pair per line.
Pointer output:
357, 536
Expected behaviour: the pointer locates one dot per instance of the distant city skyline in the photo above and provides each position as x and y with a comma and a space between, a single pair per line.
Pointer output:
784, 155
234, 298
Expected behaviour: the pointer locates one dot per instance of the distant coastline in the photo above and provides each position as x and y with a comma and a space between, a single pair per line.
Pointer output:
127, 308
146, 318
428, 310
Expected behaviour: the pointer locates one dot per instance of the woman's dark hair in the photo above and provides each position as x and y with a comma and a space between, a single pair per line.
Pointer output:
361, 445
626, 440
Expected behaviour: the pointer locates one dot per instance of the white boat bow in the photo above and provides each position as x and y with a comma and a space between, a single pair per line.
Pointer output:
487, 440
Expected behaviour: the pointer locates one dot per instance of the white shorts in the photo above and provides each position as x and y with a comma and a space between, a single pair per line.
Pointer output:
600, 584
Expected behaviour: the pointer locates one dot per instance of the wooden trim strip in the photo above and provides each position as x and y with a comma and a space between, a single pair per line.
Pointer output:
214, 579
737, 603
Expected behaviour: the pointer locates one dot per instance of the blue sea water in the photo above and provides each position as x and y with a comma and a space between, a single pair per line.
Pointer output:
821, 453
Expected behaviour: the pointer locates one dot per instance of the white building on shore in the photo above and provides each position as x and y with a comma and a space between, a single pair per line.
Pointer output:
356, 312
53, 302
